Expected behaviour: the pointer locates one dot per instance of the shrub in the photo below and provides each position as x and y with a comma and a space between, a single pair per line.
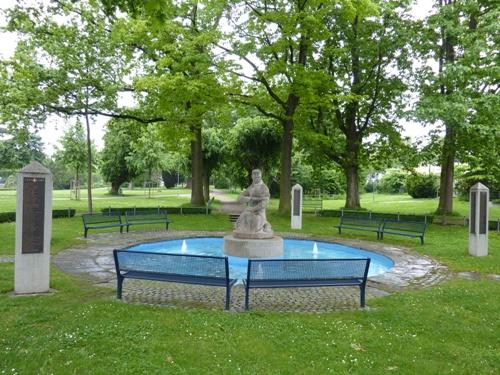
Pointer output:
422, 185
393, 182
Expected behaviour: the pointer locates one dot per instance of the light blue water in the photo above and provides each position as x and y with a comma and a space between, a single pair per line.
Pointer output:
293, 249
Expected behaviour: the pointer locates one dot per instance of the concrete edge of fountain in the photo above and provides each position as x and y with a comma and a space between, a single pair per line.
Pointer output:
94, 259
253, 248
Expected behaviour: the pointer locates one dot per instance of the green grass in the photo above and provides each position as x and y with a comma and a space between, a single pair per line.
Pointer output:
101, 199
81, 329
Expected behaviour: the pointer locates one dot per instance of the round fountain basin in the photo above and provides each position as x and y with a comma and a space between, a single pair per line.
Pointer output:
293, 249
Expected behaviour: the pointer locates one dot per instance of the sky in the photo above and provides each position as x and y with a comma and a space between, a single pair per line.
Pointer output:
55, 127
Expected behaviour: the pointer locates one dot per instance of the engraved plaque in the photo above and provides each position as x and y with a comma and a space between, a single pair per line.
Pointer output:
33, 215
473, 212
483, 220
296, 202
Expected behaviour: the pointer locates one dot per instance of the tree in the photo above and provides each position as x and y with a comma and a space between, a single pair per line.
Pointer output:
21, 147
214, 150
118, 145
74, 152
147, 153
276, 40
179, 83
364, 60
254, 143
68, 66
462, 96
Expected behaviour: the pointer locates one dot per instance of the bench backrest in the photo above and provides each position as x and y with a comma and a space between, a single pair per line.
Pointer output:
357, 220
407, 226
100, 218
307, 269
172, 264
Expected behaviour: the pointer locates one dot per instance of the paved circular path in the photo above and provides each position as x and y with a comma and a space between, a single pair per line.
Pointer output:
94, 261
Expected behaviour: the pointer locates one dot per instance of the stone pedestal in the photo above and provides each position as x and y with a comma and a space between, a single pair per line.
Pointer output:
478, 220
33, 230
253, 248
296, 219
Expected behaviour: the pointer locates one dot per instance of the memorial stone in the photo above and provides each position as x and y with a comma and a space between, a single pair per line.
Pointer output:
296, 214
33, 229
478, 220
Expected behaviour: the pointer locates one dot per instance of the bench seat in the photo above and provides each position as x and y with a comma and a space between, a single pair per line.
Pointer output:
134, 217
300, 273
359, 223
101, 221
178, 268
404, 228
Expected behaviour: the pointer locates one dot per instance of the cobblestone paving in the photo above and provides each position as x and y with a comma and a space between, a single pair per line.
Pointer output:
94, 261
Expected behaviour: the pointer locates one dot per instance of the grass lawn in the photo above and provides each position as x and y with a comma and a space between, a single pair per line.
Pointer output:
101, 199
452, 328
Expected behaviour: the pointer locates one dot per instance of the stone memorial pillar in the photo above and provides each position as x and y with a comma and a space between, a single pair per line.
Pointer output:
296, 207
478, 220
33, 229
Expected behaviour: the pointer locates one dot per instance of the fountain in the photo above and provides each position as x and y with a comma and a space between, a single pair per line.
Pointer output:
253, 236
184, 247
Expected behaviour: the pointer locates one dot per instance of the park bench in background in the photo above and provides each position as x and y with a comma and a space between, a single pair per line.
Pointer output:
152, 216
312, 204
178, 268
360, 223
99, 221
298, 273
404, 228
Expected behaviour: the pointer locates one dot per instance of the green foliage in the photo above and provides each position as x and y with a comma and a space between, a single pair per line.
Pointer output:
254, 143
422, 185
118, 145
147, 152
61, 174
466, 177
393, 182
74, 151
21, 146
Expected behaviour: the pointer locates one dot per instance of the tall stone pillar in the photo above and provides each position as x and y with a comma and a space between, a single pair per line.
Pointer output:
478, 220
296, 207
33, 229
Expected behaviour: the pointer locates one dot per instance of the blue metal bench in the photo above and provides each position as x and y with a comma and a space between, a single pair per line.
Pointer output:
360, 223
298, 273
178, 268
153, 216
99, 221
404, 228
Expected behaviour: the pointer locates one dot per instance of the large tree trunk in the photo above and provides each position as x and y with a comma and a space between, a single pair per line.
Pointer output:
196, 167
447, 172
206, 183
352, 194
89, 164
286, 167
115, 187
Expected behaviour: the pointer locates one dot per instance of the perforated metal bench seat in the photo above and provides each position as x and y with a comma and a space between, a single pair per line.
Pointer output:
300, 273
100, 221
359, 223
146, 217
404, 228
178, 268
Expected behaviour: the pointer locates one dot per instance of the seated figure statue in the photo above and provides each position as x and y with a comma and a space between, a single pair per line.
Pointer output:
252, 223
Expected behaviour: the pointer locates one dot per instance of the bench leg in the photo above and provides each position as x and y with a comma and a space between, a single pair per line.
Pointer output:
340, 231
247, 297
422, 240
362, 294
121, 229
228, 297
86, 231
166, 227
119, 286
127, 227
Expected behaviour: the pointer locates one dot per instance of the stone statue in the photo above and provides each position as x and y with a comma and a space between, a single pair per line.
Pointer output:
252, 222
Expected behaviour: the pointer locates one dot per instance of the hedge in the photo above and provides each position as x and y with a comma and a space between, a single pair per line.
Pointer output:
6, 217
377, 215
170, 210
